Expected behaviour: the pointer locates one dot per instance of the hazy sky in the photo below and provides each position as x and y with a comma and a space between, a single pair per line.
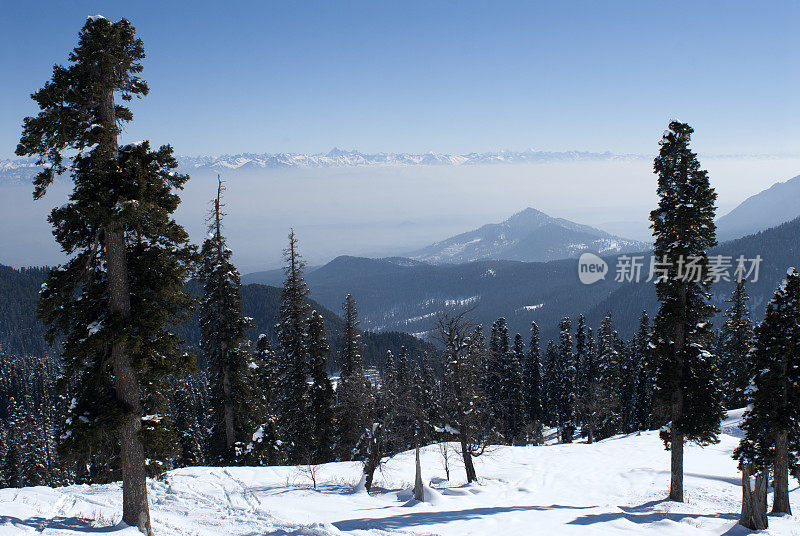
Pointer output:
391, 211
230, 77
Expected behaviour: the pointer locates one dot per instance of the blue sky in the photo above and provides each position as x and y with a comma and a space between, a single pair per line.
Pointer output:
230, 77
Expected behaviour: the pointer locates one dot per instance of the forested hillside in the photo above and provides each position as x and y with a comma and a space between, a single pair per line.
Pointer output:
21, 333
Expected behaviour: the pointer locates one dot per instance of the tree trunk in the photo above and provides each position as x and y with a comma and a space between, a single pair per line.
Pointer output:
230, 438
135, 510
676, 466
419, 491
754, 499
468, 465
780, 499
369, 474
676, 440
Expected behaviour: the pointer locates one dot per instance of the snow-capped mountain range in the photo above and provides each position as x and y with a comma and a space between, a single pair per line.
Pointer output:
530, 235
24, 168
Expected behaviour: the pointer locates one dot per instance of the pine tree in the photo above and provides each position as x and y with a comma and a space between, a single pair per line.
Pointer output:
643, 406
580, 359
567, 400
13, 462
128, 260
354, 399
263, 449
402, 421
321, 395
629, 376
735, 341
515, 394
190, 432
295, 424
34, 460
532, 381
465, 406
552, 386
609, 371
684, 231
496, 380
224, 345
772, 420
589, 398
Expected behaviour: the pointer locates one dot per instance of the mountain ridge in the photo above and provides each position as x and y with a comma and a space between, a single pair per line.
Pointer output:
777, 204
25, 168
529, 235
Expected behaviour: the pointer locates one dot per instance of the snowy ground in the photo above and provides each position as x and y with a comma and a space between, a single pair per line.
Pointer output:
616, 486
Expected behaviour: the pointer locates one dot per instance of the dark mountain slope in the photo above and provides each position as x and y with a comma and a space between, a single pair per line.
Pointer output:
777, 204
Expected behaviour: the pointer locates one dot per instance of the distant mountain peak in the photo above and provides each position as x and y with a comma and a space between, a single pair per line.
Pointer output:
25, 168
529, 235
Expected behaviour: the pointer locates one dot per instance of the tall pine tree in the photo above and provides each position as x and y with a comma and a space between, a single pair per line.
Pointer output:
567, 401
735, 342
532, 381
224, 345
295, 423
122, 286
321, 395
684, 231
772, 420
354, 399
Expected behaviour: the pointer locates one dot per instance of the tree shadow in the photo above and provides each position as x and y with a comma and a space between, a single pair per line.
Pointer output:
39, 524
642, 514
446, 516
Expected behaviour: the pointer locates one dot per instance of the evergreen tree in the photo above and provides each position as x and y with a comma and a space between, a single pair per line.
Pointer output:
263, 450
684, 230
567, 400
772, 420
629, 376
643, 405
532, 381
496, 379
34, 459
609, 370
552, 386
321, 395
735, 341
354, 398
128, 260
13, 462
465, 411
295, 424
224, 345
390, 392
515, 394
190, 431
580, 358
589, 397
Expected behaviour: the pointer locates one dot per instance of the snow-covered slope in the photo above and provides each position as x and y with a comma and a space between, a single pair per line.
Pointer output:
530, 235
613, 487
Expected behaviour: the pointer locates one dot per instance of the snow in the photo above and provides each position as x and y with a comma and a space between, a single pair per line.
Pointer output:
94, 327
616, 486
